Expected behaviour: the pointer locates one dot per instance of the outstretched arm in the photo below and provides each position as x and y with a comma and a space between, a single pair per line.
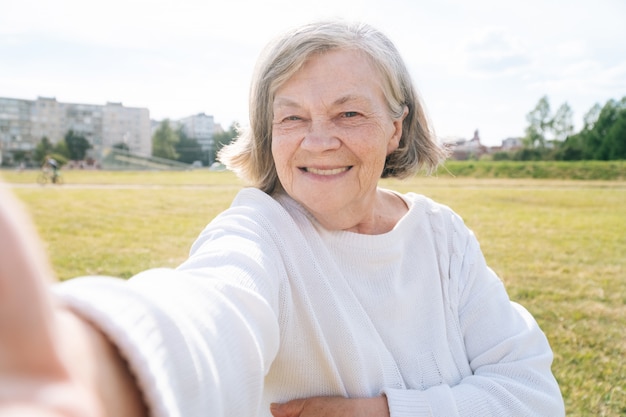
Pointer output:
332, 407
52, 363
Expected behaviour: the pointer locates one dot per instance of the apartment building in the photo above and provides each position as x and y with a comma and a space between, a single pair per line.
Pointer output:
200, 127
23, 123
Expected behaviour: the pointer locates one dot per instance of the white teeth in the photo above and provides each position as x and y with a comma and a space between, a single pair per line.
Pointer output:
334, 171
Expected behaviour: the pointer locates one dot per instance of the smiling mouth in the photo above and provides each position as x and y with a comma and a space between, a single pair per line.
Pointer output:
326, 172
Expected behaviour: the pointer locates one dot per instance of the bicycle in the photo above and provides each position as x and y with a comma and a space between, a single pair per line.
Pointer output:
47, 176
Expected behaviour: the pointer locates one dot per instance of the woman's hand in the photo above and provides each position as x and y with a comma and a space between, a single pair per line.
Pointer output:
34, 380
332, 407
52, 363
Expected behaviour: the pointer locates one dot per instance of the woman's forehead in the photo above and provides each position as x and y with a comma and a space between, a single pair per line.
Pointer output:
347, 74
294, 102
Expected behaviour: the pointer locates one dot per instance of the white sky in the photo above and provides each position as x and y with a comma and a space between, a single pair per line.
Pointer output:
480, 64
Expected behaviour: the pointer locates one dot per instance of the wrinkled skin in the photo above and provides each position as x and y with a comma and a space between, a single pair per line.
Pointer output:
331, 134
332, 407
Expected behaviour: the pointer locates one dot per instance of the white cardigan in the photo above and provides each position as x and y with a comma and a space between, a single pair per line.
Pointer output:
270, 307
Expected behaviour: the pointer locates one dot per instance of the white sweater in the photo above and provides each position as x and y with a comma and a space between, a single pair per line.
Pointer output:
270, 307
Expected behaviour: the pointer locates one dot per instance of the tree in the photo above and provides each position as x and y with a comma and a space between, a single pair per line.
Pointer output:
164, 141
591, 117
121, 146
61, 149
43, 148
224, 138
583, 144
20, 155
571, 149
615, 139
611, 128
562, 124
77, 146
603, 135
540, 122
188, 149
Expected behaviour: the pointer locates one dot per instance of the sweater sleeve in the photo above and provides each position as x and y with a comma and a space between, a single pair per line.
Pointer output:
508, 354
201, 338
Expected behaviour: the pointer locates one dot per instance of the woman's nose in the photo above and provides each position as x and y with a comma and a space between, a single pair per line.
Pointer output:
321, 136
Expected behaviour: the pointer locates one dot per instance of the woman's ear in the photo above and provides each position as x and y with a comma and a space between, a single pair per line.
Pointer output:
394, 141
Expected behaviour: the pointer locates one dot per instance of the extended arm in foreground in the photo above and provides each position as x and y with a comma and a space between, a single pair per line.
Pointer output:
52, 363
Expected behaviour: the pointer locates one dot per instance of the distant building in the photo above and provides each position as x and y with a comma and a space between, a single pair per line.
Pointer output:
512, 144
463, 149
201, 128
23, 123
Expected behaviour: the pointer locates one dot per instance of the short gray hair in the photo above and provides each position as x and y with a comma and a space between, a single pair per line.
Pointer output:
250, 155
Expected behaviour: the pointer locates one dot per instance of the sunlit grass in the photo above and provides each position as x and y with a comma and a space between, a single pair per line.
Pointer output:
559, 246
77, 177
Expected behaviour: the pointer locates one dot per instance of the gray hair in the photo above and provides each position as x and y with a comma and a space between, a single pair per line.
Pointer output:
250, 155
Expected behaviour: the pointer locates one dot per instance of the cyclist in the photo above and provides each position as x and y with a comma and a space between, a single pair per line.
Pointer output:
52, 164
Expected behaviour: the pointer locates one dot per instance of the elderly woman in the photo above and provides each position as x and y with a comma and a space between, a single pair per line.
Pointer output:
316, 293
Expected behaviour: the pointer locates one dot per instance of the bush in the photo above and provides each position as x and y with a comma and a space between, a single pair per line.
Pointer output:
576, 170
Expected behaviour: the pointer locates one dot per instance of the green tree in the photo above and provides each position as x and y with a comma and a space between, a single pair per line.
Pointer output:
603, 135
188, 149
562, 123
77, 146
164, 141
591, 117
611, 128
61, 149
571, 149
539, 124
582, 145
121, 146
224, 138
502, 156
529, 154
43, 148
21, 156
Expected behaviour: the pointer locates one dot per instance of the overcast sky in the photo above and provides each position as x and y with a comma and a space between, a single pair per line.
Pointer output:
480, 64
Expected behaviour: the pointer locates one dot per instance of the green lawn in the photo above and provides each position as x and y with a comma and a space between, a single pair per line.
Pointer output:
559, 246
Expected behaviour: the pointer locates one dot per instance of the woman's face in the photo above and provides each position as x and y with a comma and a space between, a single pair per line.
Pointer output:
331, 134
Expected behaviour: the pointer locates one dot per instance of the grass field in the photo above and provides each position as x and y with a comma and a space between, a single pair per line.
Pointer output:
559, 246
